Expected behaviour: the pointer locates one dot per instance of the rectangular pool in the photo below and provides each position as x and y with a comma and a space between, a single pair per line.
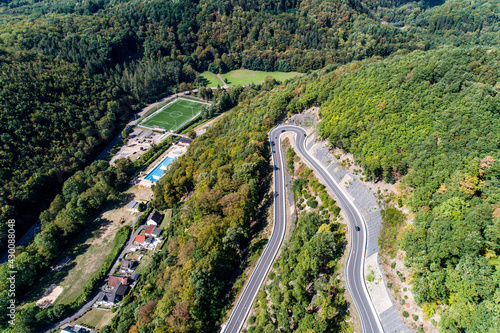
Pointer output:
160, 169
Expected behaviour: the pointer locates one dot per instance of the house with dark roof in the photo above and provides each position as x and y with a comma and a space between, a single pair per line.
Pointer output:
106, 298
121, 290
114, 280
185, 140
112, 297
76, 329
153, 231
127, 266
156, 232
154, 218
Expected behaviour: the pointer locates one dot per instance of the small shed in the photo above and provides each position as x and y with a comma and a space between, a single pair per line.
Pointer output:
133, 206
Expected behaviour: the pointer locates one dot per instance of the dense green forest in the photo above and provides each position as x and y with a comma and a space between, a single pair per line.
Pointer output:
304, 293
431, 120
73, 72
454, 22
83, 195
427, 119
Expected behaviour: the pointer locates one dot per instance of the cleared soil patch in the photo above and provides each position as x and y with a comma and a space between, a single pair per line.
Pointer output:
49, 296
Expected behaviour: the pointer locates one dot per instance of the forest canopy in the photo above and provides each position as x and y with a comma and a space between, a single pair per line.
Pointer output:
72, 73
431, 121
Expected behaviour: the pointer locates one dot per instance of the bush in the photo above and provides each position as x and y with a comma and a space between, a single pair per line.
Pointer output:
393, 265
389, 285
335, 210
402, 301
312, 203
251, 320
393, 220
290, 155
429, 309
406, 314
415, 317
125, 133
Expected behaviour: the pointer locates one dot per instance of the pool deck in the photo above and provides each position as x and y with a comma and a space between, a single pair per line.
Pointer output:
175, 152
158, 172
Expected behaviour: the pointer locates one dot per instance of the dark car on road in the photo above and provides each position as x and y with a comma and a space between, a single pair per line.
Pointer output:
357, 228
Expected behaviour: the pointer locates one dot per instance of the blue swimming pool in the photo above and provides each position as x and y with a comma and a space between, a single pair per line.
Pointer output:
160, 169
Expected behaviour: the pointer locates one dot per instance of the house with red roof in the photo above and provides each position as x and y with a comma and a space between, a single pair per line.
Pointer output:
115, 280
149, 230
139, 239
153, 231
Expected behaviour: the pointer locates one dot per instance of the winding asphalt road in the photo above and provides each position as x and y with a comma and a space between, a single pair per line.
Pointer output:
355, 264
244, 304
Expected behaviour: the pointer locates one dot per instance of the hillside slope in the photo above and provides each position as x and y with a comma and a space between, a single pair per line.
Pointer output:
432, 120
73, 71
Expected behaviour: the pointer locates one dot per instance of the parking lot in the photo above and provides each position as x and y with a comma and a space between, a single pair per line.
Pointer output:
139, 142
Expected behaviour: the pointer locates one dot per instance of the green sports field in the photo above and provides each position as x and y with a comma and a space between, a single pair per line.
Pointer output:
245, 76
174, 115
